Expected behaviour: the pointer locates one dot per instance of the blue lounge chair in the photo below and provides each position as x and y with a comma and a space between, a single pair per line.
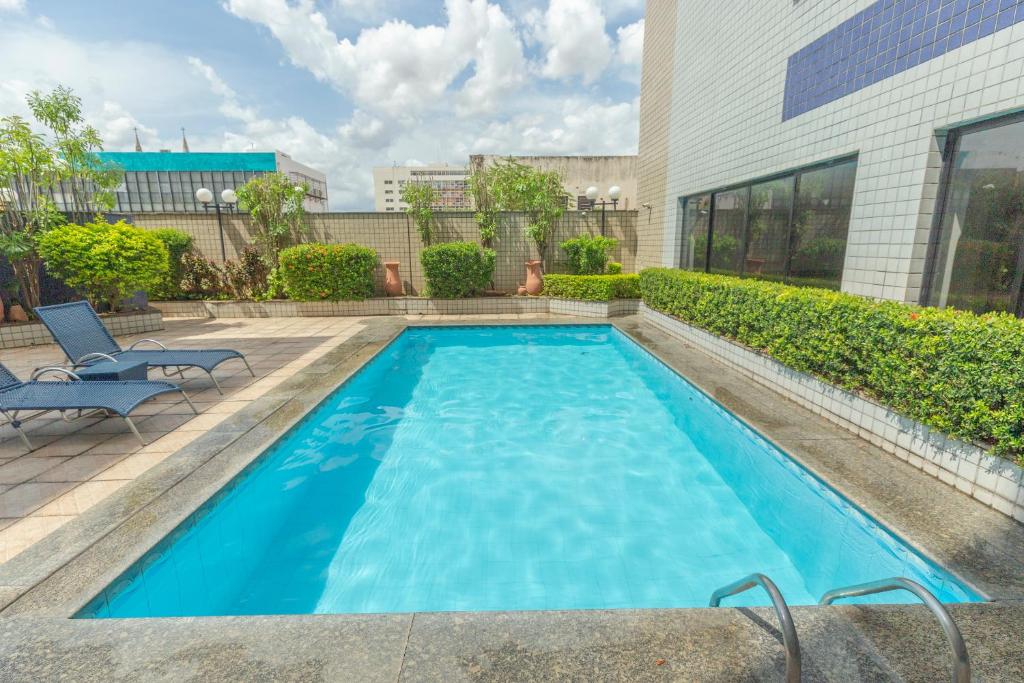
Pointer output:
115, 397
81, 334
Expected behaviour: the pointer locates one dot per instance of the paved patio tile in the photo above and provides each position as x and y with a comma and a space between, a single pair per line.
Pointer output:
25, 468
82, 467
26, 498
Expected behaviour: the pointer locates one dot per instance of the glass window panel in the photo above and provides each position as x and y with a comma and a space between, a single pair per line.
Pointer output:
696, 216
727, 231
768, 241
821, 224
979, 264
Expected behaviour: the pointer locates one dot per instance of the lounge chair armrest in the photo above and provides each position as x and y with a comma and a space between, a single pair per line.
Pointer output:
94, 356
64, 371
154, 341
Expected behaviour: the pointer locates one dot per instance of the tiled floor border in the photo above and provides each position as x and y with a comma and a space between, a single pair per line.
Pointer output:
397, 306
18, 335
994, 481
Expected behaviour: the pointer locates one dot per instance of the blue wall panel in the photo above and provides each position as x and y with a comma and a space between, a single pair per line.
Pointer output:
888, 37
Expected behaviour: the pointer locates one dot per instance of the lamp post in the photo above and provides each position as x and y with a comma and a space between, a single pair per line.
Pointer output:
614, 193
228, 196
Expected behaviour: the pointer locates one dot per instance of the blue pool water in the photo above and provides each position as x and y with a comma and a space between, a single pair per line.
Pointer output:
513, 468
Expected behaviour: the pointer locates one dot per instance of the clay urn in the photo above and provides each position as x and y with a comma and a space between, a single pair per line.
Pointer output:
392, 281
16, 314
534, 279
521, 291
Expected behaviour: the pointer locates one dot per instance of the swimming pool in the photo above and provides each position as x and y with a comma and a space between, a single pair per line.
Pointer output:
513, 468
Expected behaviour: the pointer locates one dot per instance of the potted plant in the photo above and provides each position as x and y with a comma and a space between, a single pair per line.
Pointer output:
15, 312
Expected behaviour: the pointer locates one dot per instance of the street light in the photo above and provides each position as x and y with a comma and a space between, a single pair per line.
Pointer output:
228, 196
614, 193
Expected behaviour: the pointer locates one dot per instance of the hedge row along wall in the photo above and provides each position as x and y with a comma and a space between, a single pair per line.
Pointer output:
955, 371
592, 287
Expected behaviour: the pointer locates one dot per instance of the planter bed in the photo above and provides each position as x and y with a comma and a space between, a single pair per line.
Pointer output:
994, 481
15, 335
396, 306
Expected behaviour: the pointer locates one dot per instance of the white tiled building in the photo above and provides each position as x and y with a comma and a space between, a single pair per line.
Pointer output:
811, 136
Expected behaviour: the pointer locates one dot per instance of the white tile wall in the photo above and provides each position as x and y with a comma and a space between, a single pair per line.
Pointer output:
14, 335
726, 124
993, 481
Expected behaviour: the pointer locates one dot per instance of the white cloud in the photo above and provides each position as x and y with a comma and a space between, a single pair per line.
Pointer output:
630, 50
12, 5
572, 33
500, 66
616, 8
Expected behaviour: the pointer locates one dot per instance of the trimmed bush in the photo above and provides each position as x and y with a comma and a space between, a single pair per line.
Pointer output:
592, 287
613, 268
332, 272
953, 370
457, 269
105, 261
178, 243
201, 278
588, 254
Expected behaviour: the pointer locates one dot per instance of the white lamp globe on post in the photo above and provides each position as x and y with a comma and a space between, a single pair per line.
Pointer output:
204, 196
591, 193
614, 193
229, 197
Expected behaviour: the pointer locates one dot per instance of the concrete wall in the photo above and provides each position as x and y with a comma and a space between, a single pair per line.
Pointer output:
394, 238
580, 172
723, 122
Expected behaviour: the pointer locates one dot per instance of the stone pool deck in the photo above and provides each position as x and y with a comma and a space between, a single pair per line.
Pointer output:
50, 579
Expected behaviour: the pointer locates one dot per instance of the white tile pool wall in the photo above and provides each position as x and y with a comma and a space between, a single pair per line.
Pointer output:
994, 481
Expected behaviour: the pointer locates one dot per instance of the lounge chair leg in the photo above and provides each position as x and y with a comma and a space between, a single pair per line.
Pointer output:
248, 367
13, 420
131, 425
189, 401
215, 382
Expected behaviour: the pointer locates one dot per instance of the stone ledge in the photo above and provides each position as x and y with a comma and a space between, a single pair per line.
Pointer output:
397, 306
994, 481
16, 335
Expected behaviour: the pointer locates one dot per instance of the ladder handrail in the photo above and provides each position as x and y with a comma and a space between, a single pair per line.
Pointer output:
961, 661
789, 638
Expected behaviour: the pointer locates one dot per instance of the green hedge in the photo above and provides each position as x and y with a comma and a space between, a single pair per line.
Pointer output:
457, 269
178, 243
958, 372
592, 287
335, 272
588, 254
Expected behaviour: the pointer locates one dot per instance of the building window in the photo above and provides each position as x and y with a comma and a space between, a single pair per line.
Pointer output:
977, 250
790, 228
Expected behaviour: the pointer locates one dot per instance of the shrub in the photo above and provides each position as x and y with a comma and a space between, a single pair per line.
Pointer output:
335, 272
105, 261
457, 269
588, 254
955, 371
614, 268
178, 243
201, 278
246, 278
592, 287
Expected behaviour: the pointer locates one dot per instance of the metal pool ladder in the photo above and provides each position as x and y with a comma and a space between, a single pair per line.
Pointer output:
789, 639
961, 661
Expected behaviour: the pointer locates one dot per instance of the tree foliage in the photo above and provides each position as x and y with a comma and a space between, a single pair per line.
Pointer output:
421, 198
275, 203
32, 166
509, 185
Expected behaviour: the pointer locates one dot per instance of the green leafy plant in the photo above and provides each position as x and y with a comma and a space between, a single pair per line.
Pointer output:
275, 204
457, 269
178, 243
486, 215
592, 287
613, 268
106, 261
955, 371
509, 185
421, 198
588, 254
201, 278
246, 278
333, 272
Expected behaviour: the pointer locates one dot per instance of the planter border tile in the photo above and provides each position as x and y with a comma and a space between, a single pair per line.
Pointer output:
18, 335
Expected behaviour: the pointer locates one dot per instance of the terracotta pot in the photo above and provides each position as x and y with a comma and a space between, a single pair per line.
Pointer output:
17, 314
534, 279
1, 312
521, 291
392, 282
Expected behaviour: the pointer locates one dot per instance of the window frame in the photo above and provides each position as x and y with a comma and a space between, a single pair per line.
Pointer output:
950, 148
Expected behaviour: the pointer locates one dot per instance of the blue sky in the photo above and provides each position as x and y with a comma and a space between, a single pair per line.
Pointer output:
343, 85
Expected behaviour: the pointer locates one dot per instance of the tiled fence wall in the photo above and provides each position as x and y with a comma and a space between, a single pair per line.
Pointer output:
15, 335
993, 481
395, 238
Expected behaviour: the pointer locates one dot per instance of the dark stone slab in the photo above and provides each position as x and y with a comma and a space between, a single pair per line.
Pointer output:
20, 500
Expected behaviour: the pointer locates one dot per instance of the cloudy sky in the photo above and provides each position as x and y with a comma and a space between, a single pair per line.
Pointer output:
342, 85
